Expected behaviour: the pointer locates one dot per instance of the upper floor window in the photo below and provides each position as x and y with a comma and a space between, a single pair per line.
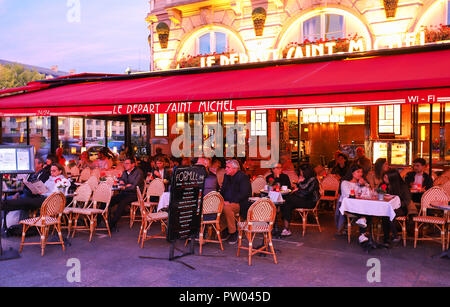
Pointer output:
323, 26
448, 13
212, 42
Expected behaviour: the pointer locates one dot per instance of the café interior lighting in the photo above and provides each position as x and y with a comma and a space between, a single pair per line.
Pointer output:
83, 149
114, 149
73, 150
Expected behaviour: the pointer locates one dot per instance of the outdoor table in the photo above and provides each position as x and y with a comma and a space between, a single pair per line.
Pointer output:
371, 207
446, 208
286, 192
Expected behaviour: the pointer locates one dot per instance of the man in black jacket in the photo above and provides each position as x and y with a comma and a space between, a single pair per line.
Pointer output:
236, 189
418, 178
131, 178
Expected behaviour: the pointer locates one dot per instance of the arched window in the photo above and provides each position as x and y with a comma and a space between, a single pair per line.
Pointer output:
323, 26
212, 42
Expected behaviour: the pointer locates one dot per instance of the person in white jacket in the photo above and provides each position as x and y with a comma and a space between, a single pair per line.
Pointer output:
352, 181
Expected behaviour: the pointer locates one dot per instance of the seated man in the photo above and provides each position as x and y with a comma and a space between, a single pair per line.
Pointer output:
236, 189
131, 178
418, 178
211, 179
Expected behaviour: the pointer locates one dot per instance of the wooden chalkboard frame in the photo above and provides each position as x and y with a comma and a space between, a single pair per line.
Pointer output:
187, 186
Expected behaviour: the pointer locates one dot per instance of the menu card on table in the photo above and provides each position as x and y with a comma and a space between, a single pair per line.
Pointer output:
186, 200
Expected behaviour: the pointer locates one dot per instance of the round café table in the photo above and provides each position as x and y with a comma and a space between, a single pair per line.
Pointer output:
446, 208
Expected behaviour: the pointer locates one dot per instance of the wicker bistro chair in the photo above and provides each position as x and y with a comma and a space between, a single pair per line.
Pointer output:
51, 212
102, 194
260, 219
330, 184
85, 175
154, 188
212, 205
445, 186
433, 195
81, 199
148, 219
304, 215
441, 180
92, 182
258, 184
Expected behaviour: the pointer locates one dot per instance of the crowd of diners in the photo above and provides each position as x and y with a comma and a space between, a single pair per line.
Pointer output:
233, 180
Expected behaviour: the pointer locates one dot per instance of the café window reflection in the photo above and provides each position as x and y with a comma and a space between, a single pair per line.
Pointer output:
258, 125
389, 119
161, 125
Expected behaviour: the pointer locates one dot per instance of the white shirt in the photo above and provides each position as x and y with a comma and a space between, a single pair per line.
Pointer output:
51, 184
348, 186
418, 179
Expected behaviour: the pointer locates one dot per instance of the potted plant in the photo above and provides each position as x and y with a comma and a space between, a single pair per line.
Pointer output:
382, 191
62, 184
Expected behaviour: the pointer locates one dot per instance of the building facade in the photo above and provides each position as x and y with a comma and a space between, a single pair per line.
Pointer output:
187, 34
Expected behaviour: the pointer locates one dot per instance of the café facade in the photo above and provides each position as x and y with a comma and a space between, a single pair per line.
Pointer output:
331, 74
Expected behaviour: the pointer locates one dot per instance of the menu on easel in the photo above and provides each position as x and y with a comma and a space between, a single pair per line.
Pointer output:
186, 200
16, 159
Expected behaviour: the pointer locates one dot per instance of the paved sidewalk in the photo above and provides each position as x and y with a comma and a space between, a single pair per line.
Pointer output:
318, 259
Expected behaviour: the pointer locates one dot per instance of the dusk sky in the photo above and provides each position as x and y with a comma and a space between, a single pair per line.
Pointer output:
104, 36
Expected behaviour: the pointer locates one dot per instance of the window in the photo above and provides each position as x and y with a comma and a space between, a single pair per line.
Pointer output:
324, 26
161, 125
212, 42
89, 133
258, 124
389, 119
448, 13
98, 133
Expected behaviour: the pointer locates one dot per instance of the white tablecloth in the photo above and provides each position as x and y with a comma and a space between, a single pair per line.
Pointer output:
371, 207
164, 201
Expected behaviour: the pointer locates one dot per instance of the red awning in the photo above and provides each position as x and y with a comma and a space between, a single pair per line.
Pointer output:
421, 77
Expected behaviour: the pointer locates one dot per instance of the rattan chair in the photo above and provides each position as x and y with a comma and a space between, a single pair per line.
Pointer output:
446, 186
102, 194
81, 199
433, 195
92, 182
51, 212
441, 180
154, 188
330, 184
260, 219
85, 175
75, 173
212, 205
304, 216
258, 185
148, 219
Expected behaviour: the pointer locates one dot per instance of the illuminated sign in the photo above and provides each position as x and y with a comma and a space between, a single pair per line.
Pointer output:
315, 49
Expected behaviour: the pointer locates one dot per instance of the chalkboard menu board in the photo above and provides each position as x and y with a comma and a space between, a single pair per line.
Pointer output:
186, 200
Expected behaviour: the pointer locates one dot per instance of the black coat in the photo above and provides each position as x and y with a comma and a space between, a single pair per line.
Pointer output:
427, 180
237, 189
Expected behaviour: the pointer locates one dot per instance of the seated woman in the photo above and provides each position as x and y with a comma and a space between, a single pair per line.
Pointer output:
305, 196
375, 176
395, 186
57, 173
278, 177
352, 181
